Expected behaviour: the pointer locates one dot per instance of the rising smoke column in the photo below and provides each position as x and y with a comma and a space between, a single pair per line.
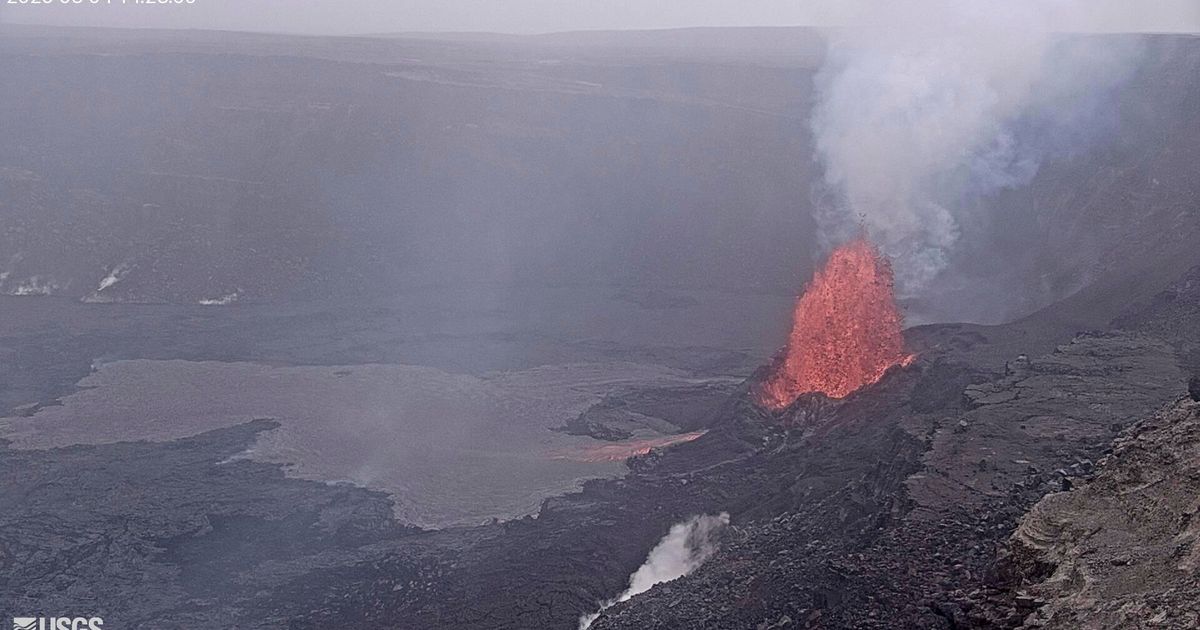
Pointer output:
685, 547
919, 109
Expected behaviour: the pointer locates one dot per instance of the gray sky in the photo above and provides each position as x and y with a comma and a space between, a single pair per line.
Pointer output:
534, 16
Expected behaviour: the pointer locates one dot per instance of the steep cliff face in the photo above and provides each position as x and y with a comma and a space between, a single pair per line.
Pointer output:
1092, 214
1115, 548
1120, 550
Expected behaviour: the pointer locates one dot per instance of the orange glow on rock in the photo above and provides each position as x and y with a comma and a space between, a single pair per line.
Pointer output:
846, 330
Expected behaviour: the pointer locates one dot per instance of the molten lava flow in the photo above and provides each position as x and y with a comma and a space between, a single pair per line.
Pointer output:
845, 331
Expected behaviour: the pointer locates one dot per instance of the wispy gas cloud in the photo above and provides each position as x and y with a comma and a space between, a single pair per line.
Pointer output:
919, 112
224, 300
685, 547
37, 285
118, 272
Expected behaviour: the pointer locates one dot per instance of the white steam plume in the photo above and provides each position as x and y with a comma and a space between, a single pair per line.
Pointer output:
114, 276
36, 285
224, 300
917, 115
685, 547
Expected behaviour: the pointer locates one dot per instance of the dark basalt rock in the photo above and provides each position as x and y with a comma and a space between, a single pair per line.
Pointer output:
911, 538
652, 410
143, 533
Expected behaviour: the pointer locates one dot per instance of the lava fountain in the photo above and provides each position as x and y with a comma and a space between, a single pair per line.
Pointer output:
846, 330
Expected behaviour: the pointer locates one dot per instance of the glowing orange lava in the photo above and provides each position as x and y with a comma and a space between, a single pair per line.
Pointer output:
846, 330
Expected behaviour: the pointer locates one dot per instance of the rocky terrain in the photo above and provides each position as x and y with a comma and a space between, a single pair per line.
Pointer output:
927, 541
912, 542
1118, 549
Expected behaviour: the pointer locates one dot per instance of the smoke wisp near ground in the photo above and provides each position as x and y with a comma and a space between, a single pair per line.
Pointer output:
685, 547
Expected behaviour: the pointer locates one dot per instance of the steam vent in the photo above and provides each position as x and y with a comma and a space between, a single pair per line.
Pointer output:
846, 330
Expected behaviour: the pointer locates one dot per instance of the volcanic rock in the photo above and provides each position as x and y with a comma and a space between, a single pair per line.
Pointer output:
910, 541
654, 411
1121, 549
